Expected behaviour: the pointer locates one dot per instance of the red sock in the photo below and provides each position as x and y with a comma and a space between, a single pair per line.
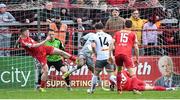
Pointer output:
159, 88
43, 84
73, 58
118, 79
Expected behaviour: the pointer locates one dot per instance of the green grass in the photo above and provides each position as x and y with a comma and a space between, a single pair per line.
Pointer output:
80, 93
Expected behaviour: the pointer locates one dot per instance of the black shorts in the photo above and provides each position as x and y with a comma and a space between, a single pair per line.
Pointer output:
100, 64
57, 64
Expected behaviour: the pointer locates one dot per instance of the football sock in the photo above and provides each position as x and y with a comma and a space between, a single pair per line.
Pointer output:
67, 80
74, 69
159, 88
94, 82
112, 78
73, 58
118, 80
38, 75
43, 84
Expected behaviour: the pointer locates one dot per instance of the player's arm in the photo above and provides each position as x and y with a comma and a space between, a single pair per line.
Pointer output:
93, 44
136, 50
38, 44
16, 45
61, 46
111, 48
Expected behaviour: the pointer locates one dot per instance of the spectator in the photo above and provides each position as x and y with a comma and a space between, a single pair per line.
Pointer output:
60, 29
49, 13
168, 78
95, 3
137, 24
94, 11
78, 34
115, 22
61, 1
150, 37
78, 12
5, 35
23, 16
77, 1
177, 12
65, 14
80, 28
168, 36
117, 2
102, 15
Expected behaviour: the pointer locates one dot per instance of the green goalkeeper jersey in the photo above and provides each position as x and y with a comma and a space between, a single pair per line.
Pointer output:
57, 44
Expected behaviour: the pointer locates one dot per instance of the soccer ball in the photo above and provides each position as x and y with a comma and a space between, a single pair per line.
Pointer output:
89, 91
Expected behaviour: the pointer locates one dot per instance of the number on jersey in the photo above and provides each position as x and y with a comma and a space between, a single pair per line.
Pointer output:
123, 79
124, 37
103, 41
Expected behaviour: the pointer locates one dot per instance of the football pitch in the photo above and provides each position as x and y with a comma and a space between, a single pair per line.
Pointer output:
80, 93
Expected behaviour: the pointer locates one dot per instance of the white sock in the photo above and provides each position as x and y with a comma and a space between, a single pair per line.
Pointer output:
94, 82
113, 78
73, 69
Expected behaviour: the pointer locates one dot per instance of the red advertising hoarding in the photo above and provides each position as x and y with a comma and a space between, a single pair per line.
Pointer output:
147, 70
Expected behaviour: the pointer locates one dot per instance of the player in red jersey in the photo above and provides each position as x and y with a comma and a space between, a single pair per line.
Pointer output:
126, 84
124, 41
40, 51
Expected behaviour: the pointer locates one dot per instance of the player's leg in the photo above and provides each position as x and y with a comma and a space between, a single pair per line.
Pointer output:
110, 69
38, 74
138, 85
44, 77
94, 80
60, 67
80, 62
67, 79
90, 64
156, 88
132, 71
146, 87
99, 66
44, 70
64, 54
119, 63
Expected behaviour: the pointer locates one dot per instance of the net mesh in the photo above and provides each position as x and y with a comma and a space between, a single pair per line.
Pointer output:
78, 20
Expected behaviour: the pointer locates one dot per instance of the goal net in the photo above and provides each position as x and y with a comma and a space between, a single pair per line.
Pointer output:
77, 19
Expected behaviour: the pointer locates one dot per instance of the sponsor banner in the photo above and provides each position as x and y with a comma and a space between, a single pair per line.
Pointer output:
79, 78
147, 70
16, 72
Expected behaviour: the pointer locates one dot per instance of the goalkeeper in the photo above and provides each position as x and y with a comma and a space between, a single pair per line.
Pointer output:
57, 60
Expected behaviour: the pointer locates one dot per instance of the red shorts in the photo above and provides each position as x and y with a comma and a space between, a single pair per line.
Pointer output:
123, 59
41, 57
139, 85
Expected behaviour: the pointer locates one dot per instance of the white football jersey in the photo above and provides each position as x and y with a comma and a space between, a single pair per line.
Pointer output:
103, 41
87, 48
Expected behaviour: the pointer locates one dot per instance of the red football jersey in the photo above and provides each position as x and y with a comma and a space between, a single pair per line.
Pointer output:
124, 42
33, 51
126, 81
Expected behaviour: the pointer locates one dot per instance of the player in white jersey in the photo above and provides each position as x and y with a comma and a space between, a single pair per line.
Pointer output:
85, 55
101, 48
